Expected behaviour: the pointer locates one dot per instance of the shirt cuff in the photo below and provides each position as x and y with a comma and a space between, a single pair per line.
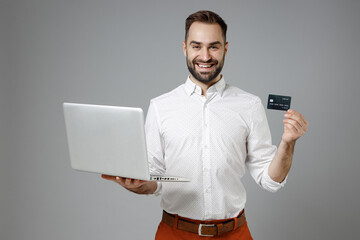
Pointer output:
270, 184
158, 189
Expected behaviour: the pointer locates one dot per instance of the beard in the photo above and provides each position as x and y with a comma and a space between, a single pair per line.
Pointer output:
205, 77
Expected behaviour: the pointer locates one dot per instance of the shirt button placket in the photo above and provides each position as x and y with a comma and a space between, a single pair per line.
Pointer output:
206, 162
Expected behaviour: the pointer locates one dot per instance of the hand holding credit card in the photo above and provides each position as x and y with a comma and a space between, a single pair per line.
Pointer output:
278, 102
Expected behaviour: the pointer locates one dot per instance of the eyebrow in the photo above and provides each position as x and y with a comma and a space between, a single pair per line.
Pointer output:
211, 44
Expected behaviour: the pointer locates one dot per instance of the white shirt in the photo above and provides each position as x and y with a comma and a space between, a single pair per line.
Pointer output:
210, 141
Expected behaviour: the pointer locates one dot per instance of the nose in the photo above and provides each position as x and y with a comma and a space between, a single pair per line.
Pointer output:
205, 55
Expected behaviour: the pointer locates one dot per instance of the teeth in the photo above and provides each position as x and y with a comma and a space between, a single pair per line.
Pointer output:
204, 66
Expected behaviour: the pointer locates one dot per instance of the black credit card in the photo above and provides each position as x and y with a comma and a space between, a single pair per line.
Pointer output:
278, 102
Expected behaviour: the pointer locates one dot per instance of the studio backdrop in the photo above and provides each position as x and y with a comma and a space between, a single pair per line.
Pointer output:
117, 52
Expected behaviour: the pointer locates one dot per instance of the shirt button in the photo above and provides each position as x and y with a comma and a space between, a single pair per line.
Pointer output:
207, 190
205, 146
206, 169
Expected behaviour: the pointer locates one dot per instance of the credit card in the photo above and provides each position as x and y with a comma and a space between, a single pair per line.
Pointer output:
278, 102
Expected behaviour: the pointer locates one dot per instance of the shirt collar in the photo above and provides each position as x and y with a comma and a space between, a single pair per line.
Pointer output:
191, 87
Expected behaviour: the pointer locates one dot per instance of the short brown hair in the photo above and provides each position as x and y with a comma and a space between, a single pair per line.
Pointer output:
205, 17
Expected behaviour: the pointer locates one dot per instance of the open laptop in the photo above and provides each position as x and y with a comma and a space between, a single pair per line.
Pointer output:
109, 140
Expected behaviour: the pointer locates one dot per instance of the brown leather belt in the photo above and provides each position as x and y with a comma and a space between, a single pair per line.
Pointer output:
205, 228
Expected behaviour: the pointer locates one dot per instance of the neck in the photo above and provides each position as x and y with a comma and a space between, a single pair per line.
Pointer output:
205, 86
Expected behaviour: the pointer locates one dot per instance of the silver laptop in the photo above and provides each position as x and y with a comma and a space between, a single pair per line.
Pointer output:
109, 140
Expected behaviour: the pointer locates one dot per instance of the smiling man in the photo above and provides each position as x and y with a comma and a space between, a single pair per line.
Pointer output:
211, 132
205, 52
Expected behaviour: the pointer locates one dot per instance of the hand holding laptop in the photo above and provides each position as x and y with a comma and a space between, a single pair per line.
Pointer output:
133, 185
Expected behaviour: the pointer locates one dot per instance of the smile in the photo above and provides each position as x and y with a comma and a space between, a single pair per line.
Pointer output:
205, 66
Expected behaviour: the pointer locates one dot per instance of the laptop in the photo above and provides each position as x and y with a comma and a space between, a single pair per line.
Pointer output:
109, 140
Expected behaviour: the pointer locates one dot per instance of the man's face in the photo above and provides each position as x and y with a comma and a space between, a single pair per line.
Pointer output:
205, 51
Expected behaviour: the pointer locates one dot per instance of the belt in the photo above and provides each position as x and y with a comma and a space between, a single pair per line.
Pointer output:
207, 228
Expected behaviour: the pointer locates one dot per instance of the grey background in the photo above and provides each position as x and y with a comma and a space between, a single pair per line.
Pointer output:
127, 52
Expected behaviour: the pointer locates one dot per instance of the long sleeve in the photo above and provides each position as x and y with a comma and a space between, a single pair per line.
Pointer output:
260, 150
154, 144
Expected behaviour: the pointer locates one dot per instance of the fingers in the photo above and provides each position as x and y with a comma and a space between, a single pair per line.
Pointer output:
108, 177
125, 182
128, 181
133, 185
137, 182
297, 120
294, 125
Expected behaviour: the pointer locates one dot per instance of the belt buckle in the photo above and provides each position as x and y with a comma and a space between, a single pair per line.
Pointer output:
205, 225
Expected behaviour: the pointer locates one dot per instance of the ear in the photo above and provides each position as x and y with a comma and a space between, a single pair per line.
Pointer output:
184, 48
226, 47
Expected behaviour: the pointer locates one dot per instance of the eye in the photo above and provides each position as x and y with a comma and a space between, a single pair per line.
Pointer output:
214, 48
196, 47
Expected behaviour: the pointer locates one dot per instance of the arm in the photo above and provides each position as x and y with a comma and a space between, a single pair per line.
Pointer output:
295, 125
134, 185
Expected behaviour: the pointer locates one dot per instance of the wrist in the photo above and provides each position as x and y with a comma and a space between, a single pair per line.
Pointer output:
288, 143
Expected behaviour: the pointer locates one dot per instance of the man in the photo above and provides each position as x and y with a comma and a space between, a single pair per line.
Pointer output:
211, 132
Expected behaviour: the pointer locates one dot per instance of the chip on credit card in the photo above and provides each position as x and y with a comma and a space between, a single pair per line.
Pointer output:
278, 102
